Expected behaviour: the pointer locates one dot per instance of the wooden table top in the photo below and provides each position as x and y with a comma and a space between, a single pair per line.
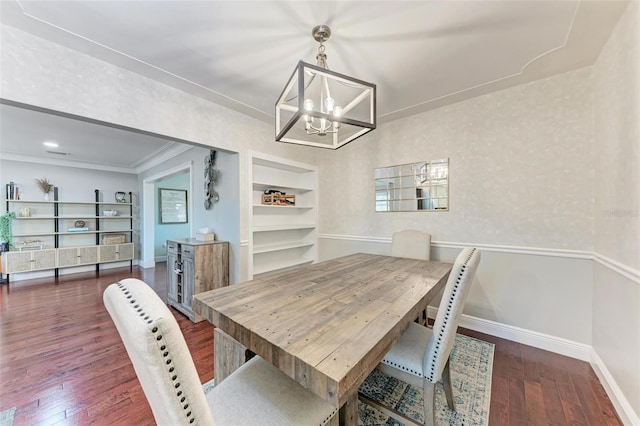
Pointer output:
327, 325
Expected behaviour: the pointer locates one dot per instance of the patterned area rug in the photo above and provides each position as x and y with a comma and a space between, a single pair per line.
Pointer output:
6, 417
471, 366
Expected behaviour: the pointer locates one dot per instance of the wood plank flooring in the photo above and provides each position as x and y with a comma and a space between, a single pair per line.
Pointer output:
62, 362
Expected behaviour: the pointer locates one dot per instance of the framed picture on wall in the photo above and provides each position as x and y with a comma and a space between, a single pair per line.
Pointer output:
173, 205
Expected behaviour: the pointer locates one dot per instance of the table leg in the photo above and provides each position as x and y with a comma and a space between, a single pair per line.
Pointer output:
228, 355
349, 411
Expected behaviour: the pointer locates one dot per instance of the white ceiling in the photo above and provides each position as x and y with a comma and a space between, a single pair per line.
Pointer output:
421, 54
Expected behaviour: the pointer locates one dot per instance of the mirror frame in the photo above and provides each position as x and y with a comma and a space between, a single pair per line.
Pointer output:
432, 176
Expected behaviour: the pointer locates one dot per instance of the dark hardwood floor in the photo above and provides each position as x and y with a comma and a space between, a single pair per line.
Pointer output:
62, 362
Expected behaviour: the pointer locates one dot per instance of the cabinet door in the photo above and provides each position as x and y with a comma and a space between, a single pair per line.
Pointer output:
67, 256
87, 254
108, 253
189, 276
18, 261
125, 251
172, 276
44, 259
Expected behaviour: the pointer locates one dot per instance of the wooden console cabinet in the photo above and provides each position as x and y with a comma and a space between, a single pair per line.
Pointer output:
194, 267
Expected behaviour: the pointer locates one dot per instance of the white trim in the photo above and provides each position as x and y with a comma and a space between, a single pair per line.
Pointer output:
355, 238
624, 270
532, 251
620, 403
547, 342
38, 159
244, 243
165, 155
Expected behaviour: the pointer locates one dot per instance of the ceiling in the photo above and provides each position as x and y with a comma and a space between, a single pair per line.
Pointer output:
421, 54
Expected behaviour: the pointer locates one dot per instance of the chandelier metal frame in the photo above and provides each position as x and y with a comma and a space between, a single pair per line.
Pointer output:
308, 120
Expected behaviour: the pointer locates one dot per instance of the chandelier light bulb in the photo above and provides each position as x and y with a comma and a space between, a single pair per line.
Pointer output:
308, 105
337, 111
329, 103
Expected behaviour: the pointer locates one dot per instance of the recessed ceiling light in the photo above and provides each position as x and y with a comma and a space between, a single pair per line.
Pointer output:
50, 144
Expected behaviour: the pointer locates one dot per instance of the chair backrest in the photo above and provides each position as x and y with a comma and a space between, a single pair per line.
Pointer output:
449, 312
159, 353
411, 244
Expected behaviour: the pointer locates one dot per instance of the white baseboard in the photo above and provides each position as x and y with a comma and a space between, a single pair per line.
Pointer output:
621, 404
547, 342
557, 345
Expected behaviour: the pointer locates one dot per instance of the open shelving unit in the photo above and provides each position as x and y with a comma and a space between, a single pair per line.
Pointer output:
56, 246
282, 236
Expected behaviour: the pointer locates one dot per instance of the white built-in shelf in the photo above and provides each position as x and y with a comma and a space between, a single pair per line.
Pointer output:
262, 186
282, 236
279, 207
286, 263
269, 228
269, 248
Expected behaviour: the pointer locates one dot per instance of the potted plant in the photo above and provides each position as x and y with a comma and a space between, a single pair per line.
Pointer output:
45, 186
6, 230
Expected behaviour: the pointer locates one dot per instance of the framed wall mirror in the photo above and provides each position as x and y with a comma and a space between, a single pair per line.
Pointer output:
422, 186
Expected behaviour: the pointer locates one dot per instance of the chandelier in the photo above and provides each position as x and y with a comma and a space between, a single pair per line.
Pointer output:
322, 108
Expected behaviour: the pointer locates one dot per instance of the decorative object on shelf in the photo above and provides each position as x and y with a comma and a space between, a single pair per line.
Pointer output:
13, 193
114, 239
24, 212
205, 234
29, 245
323, 108
79, 229
6, 230
121, 197
279, 199
45, 186
210, 180
79, 223
110, 212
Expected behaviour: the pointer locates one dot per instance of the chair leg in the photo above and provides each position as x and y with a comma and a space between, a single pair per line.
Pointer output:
429, 403
446, 382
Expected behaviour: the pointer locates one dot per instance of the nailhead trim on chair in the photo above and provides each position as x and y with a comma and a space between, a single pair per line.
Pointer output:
438, 342
163, 349
402, 367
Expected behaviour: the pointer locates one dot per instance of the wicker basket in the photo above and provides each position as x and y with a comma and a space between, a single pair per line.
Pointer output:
114, 239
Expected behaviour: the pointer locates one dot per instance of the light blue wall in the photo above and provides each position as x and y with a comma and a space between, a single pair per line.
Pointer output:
224, 216
167, 231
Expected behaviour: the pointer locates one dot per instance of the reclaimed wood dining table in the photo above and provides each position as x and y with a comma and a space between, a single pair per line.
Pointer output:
326, 325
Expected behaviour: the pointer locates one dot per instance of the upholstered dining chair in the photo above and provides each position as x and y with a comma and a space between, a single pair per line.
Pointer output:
421, 356
256, 393
411, 244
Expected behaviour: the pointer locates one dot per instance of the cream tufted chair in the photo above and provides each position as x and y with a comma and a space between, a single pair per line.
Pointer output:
256, 393
411, 244
421, 356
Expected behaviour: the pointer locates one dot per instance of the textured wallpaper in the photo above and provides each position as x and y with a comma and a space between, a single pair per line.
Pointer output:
617, 131
521, 169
